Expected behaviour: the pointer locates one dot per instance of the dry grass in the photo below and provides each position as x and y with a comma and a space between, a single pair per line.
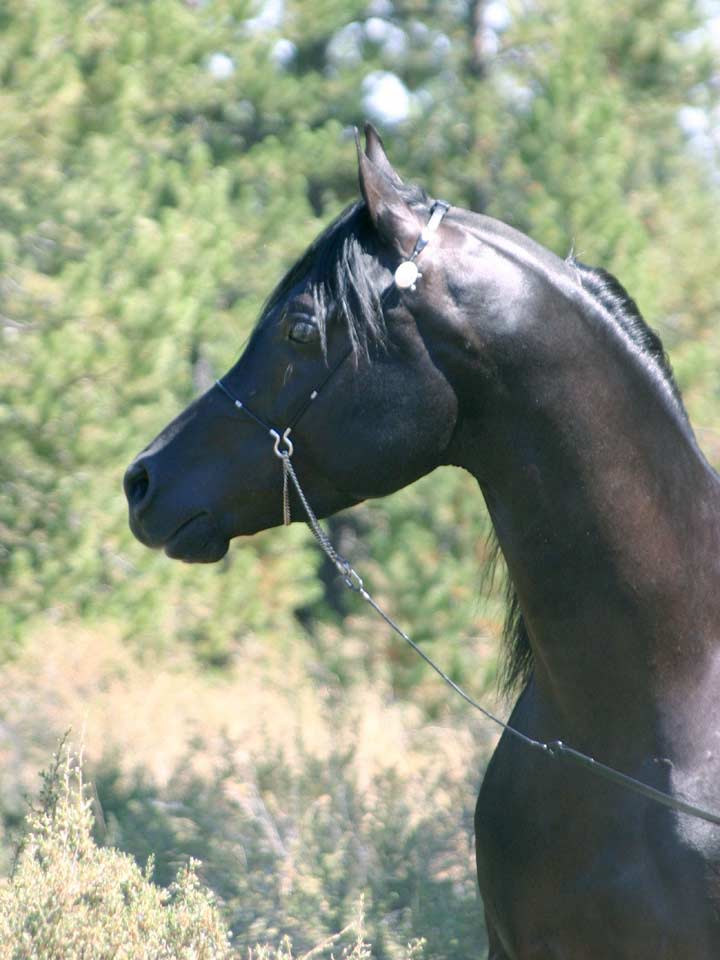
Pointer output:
298, 794
148, 714
68, 899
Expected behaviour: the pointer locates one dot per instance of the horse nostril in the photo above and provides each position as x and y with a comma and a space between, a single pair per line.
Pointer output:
136, 483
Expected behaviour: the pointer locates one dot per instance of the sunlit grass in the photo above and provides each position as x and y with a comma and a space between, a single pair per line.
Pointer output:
297, 794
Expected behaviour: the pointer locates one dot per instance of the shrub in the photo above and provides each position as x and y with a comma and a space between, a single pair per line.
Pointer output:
298, 792
290, 847
69, 899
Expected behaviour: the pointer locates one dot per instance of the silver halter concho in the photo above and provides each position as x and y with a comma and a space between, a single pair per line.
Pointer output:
406, 276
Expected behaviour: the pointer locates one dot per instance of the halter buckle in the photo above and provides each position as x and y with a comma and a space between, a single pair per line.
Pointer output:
407, 275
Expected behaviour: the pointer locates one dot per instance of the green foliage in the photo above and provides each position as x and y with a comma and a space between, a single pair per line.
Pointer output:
594, 152
149, 202
69, 899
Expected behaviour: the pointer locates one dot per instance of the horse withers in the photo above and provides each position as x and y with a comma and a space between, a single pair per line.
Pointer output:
540, 377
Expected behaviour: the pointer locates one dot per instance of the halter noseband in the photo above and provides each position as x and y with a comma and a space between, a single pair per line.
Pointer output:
277, 435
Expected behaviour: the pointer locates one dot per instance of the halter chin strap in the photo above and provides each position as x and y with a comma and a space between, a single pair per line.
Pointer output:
407, 274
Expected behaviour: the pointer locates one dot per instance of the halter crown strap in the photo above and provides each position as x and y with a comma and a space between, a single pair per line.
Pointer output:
437, 212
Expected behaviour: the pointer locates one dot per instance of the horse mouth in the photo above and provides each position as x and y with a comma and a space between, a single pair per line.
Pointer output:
198, 540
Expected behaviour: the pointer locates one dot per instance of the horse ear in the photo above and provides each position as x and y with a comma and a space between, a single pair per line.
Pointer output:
375, 150
393, 218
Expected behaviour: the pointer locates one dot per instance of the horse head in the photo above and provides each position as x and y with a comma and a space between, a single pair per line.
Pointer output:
344, 356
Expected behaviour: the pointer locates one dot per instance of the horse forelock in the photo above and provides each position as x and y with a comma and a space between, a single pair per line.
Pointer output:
340, 270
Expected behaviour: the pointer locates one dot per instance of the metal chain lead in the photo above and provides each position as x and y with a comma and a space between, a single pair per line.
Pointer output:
287, 519
351, 578
354, 581
557, 750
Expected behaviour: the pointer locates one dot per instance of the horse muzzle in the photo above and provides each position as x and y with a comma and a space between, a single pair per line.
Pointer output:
192, 536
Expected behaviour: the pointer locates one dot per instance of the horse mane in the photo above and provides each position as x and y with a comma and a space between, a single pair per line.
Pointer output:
611, 294
340, 271
517, 660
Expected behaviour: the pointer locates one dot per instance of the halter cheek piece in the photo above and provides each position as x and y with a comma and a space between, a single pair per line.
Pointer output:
405, 278
282, 444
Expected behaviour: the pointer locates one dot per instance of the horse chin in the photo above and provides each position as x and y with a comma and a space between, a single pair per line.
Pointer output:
197, 541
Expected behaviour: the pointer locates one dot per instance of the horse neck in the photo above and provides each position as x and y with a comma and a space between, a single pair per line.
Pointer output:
606, 512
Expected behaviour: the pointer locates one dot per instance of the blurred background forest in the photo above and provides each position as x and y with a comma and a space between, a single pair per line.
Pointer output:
163, 164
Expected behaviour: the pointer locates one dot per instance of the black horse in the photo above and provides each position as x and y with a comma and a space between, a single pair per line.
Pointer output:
540, 377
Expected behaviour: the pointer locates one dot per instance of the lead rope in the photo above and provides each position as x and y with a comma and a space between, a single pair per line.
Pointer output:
354, 582
556, 749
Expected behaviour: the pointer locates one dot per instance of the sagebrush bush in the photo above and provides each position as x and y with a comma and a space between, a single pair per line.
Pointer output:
298, 793
289, 847
68, 899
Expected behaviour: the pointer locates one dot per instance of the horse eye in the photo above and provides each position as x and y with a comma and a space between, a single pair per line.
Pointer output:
303, 331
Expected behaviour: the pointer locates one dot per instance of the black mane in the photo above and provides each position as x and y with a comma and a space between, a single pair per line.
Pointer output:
608, 290
517, 663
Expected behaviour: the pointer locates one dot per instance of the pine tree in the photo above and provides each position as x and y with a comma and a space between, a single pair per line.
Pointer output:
164, 164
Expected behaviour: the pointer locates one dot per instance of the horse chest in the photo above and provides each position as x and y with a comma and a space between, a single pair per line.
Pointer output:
570, 868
